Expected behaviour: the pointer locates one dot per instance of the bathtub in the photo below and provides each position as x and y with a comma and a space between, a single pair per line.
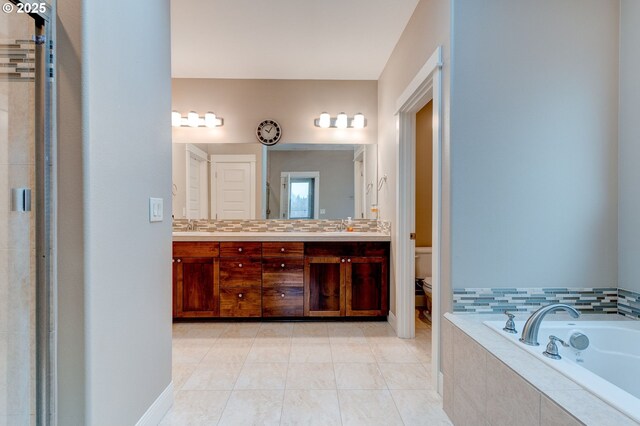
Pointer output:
609, 368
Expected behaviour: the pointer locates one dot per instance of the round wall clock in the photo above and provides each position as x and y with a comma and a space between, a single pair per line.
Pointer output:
268, 132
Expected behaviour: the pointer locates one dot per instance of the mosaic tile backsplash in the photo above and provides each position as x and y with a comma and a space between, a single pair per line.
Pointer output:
495, 300
322, 225
629, 303
17, 60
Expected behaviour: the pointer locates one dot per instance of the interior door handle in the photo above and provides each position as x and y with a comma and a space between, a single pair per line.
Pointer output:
21, 199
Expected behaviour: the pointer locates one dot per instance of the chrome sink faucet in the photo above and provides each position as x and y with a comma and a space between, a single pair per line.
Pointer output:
531, 327
190, 225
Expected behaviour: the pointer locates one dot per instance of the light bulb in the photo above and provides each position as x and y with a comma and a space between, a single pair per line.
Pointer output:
193, 120
341, 121
358, 121
325, 120
176, 119
210, 120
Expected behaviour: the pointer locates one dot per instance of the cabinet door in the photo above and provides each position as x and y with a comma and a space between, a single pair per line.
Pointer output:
196, 292
324, 286
282, 301
367, 286
242, 301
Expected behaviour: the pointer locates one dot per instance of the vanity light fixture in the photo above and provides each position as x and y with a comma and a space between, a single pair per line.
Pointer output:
341, 121
192, 119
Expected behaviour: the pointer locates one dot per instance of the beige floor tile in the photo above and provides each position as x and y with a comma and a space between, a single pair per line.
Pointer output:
420, 407
272, 341
310, 329
196, 408
269, 353
276, 329
231, 354
346, 335
190, 353
351, 353
368, 408
180, 373
221, 376
262, 376
393, 352
310, 352
405, 376
311, 376
359, 376
311, 408
253, 407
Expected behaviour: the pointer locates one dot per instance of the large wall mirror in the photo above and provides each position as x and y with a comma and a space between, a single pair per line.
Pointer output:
285, 181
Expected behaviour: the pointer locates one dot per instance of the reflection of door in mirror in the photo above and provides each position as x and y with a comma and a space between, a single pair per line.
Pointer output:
233, 186
299, 195
197, 188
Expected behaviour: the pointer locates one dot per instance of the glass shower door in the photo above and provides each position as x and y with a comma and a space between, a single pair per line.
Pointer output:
18, 192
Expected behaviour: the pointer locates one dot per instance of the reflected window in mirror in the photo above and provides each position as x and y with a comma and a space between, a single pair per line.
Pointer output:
299, 195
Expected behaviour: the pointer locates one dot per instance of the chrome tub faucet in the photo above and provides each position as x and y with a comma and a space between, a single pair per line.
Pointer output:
532, 326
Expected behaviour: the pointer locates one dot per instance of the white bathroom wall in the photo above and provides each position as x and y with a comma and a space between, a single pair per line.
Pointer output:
428, 28
534, 115
114, 281
629, 148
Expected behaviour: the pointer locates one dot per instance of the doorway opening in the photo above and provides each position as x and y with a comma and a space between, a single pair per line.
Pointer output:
425, 87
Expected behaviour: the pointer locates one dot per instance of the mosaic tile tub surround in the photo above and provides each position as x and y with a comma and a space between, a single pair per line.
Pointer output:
497, 300
629, 303
257, 225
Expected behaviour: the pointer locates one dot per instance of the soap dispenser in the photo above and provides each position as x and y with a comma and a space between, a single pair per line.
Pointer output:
349, 224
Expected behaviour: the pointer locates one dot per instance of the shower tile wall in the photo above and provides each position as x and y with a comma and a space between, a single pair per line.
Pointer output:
17, 230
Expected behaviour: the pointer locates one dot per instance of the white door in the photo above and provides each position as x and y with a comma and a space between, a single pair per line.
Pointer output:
194, 202
234, 186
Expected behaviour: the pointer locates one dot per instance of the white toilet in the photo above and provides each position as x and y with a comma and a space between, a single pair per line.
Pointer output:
423, 276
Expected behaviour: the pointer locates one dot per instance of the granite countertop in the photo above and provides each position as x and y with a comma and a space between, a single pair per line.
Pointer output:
280, 236
582, 404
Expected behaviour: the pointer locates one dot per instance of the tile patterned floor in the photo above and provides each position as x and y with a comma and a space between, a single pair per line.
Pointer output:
302, 374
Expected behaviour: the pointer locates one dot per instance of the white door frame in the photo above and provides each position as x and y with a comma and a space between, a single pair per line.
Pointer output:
425, 86
204, 193
284, 201
217, 159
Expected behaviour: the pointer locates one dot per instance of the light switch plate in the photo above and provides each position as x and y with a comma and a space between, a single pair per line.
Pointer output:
155, 209
323, 211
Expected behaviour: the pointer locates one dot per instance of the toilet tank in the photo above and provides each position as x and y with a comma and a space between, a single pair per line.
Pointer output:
423, 262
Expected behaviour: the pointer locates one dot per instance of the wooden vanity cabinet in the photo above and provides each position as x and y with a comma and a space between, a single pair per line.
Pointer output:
356, 283
240, 279
282, 279
195, 279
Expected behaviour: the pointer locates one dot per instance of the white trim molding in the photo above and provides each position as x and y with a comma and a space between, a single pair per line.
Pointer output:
426, 86
156, 412
392, 320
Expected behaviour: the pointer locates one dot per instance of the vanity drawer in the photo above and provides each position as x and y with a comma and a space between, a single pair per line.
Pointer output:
282, 271
240, 272
196, 249
240, 248
241, 301
282, 301
272, 249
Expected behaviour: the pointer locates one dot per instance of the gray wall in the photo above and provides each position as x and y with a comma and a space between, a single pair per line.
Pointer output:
534, 115
428, 28
629, 149
114, 266
336, 179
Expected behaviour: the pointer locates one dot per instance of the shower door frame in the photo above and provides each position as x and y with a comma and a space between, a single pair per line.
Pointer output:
45, 189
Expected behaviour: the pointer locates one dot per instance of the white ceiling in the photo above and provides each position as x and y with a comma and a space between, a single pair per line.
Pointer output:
285, 39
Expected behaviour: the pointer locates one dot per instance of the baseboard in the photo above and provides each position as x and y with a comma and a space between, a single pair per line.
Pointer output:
392, 320
158, 409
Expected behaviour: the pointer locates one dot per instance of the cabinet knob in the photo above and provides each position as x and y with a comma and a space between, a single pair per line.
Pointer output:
239, 249
239, 265
282, 295
349, 260
240, 295
178, 260
282, 265
173, 260
342, 260
282, 250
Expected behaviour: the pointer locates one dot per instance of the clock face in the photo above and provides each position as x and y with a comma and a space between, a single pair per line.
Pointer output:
268, 132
